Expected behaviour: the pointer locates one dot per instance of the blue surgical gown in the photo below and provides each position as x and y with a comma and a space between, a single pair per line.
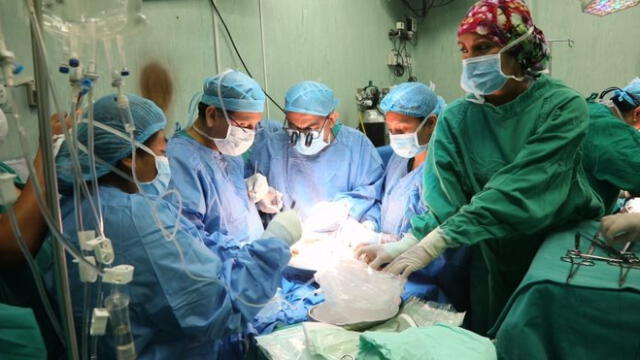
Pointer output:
349, 168
213, 191
402, 198
174, 316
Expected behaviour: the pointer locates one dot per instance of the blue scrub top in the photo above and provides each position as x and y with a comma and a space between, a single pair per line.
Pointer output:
403, 194
349, 168
173, 315
214, 194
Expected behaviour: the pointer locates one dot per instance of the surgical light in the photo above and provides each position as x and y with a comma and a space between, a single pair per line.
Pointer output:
606, 7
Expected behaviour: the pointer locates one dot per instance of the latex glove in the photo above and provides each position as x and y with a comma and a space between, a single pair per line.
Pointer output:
353, 233
621, 228
257, 187
286, 226
271, 203
327, 216
378, 255
419, 255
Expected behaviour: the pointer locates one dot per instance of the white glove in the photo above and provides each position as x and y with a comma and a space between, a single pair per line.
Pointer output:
270, 203
621, 228
353, 233
378, 255
57, 144
327, 216
257, 187
419, 255
285, 226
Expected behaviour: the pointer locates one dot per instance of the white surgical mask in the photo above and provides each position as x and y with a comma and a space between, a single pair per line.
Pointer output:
235, 143
407, 145
482, 75
4, 127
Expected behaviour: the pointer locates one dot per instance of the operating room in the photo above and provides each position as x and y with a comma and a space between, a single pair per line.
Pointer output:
319, 179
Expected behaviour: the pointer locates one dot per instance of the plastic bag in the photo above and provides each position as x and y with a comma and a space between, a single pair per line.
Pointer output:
331, 342
356, 293
285, 344
431, 313
352, 233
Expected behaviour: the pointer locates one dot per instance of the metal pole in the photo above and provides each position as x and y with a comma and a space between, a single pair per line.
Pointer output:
51, 186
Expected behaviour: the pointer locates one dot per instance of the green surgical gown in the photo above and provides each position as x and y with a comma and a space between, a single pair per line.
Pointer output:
611, 155
500, 178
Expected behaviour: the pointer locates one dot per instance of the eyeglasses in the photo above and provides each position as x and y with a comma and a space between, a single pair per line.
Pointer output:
235, 123
309, 133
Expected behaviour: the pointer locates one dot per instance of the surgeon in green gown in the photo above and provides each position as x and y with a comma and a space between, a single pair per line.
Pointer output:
612, 147
504, 167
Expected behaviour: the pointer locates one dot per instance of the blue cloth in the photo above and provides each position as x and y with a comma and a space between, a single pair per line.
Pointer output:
172, 315
310, 97
293, 307
402, 199
349, 168
147, 118
402, 196
412, 99
214, 194
385, 153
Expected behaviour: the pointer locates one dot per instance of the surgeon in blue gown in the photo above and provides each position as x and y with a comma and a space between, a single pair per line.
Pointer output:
206, 163
411, 111
327, 170
185, 296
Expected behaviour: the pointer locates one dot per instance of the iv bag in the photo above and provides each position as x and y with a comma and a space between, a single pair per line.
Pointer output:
100, 19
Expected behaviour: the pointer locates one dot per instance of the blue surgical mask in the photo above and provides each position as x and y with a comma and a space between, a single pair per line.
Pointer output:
157, 186
482, 75
407, 145
160, 184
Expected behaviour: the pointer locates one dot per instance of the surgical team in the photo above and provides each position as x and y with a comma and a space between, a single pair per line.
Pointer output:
476, 184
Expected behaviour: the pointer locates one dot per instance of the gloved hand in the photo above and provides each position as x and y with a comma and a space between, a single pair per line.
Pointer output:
378, 255
257, 187
353, 233
327, 216
270, 203
286, 226
621, 228
419, 255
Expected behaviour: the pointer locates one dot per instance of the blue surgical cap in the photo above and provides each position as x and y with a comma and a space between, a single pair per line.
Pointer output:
633, 88
237, 91
310, 97
109, 148
441, 104
412, 99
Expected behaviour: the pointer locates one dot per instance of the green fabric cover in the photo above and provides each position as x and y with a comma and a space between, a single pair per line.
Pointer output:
589, 318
